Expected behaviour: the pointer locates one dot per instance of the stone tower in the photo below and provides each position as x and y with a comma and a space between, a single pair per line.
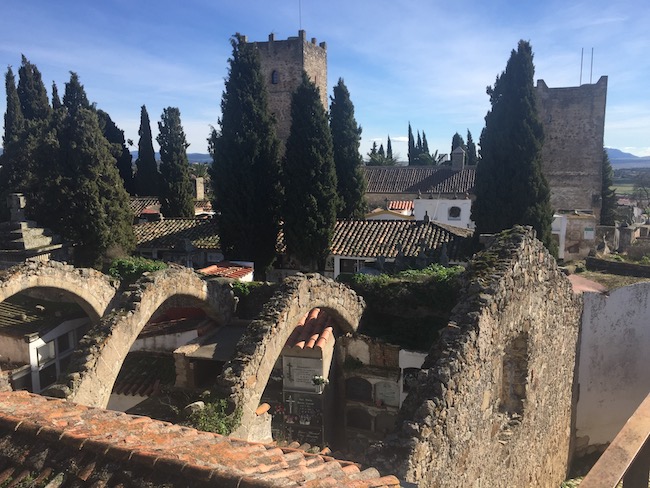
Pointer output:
282, 65
572, 154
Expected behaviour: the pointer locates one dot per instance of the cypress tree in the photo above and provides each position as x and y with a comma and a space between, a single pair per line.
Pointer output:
9, 160
412, 156
86, 202
147, 177
389, 150
457, 141
510, 186
346, 136
608, 204
310, 179
123, 159
472, 159
32, 93
27, 127
176, 195
56, 101
246, 167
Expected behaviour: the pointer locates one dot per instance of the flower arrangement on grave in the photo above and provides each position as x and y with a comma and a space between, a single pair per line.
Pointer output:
319, 380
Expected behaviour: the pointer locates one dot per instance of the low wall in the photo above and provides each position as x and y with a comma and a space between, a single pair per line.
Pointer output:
617, 267
493, 402
613, 369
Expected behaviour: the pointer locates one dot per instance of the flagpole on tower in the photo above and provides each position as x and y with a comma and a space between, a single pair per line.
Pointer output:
300, 14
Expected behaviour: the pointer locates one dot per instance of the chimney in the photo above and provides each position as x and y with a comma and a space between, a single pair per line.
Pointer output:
458, 159
199, 188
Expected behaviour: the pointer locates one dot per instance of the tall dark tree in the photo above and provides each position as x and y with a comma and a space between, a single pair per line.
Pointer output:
27, 126
389, 149
456, 141
176, 195
86, 201
147, 177
510, 186
32, 92
608, 195
9, 160
346, 136
472, 158
56, 101
123, 159
310, 179
246, 167
412, 154
425, 144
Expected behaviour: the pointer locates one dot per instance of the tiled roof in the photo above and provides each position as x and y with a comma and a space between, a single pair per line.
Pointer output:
22, 315
313, 331
44, 440
400, 205
142, 374
173, 233
139, 204
374, 238
425, 179
226, 269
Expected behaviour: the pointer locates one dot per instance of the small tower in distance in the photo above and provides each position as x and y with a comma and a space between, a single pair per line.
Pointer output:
282, 65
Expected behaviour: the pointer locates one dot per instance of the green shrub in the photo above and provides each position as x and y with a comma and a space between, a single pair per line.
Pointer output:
128, 270
214, 418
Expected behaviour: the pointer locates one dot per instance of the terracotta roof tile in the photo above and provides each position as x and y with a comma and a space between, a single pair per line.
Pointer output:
313, 330
425, 179
226, 269
174, 233
140, 204
400, 205
48, 439
374, 238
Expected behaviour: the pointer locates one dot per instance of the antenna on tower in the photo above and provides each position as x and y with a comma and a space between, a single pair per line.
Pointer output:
300, 14
582, 55
591, 70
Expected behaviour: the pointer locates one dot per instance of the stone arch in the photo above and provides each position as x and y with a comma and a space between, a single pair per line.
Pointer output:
91, 289
95, 365
246, 375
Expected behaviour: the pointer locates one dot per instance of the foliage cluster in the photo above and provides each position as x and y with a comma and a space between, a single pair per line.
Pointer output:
129, 269
215, 417
510, 186
408, 308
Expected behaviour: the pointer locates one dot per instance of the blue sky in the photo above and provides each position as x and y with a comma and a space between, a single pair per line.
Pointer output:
424, 62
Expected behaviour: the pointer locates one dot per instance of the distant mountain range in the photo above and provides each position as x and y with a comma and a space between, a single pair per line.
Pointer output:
618, 158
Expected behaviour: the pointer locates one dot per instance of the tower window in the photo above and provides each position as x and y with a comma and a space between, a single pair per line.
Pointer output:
275, 77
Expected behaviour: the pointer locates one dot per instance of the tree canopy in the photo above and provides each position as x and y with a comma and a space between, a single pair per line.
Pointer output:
608, 195
346, 137
147, 177
82, 196
246, 167
510, 186
310, 179
175, 187
115, 136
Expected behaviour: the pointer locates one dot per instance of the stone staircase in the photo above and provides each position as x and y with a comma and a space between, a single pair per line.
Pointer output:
25, 236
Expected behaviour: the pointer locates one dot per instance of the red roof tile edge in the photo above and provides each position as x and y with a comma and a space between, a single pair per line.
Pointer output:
140, 442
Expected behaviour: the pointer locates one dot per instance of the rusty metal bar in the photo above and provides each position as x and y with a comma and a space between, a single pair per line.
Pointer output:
627, 457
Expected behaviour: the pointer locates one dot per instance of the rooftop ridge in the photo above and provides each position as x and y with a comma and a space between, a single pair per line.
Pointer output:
150, 449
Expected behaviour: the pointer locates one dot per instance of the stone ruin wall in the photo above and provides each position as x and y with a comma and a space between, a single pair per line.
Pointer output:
572, 154
493, 404
289, 58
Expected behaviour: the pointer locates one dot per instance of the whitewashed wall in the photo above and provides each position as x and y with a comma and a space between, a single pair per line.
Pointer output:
614, 361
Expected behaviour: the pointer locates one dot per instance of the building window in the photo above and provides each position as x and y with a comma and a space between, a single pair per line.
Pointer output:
275, 77
45, 353
454, 213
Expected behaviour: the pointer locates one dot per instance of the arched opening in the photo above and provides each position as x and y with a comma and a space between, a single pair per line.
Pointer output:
40, 328
275, 77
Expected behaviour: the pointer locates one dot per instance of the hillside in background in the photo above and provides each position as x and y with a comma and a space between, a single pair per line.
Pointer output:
623, 160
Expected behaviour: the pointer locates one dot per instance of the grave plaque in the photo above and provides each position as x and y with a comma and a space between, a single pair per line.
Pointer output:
303, 417
298, 372
387, 393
